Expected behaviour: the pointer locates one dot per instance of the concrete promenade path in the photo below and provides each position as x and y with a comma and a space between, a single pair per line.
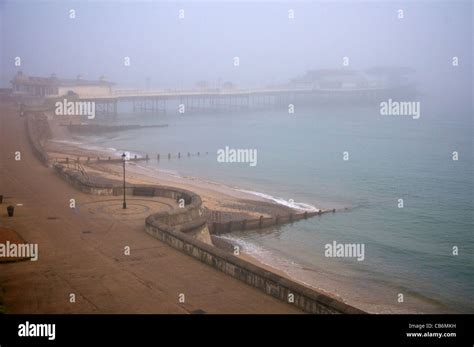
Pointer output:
81, 250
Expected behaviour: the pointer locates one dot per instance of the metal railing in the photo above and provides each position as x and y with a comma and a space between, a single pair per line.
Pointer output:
74, 164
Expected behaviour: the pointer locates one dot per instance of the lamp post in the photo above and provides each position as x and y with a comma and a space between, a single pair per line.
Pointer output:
123, 160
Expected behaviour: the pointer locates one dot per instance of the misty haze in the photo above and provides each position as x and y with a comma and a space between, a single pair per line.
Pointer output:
236, 157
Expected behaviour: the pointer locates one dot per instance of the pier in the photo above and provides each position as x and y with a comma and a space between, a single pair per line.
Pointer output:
34, 91
182, 101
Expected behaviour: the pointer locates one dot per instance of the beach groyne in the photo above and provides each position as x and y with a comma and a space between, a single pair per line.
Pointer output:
219, 228
109, 159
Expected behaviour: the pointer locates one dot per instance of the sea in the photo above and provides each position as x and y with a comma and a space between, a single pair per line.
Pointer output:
394, 181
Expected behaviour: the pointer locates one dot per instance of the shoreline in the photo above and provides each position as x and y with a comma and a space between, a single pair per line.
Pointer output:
233, 202
140, 172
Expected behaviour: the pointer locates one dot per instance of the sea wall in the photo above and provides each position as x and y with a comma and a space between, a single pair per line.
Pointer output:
78, 180
189, 218
38, 131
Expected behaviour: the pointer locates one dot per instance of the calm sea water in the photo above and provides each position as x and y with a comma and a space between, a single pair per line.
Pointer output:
407, 250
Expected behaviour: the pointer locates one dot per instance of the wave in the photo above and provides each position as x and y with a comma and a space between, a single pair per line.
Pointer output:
269, 258
112, 151
300, 206
289, 203
261, 254
68, 142
87, 147
168, 172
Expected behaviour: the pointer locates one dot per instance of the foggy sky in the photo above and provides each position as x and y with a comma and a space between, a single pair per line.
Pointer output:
272, 49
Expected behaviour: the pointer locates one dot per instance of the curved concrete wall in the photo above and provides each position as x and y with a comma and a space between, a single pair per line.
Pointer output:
279, 287
37, 131
188, 218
